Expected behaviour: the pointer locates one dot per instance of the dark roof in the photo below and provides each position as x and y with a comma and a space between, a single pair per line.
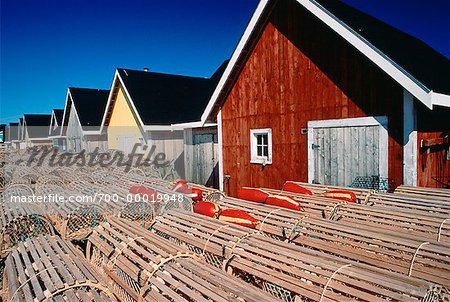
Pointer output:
37, 124
59, 115
165, 99
416, 57
90, 105
37, 119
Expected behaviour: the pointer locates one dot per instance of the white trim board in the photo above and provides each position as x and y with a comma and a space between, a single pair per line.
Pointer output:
219, 138
352, 122
64, 113
405, 79
409, 140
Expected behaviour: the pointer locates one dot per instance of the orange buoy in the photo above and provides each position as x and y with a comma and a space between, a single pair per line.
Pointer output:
347, 196
207, 208
253, 194
239, 217
283, 202
290, 186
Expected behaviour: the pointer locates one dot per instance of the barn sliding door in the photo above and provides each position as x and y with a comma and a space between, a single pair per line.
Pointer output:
342, 150
205, 155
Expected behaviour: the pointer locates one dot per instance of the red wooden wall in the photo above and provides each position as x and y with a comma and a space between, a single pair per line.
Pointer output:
299, 70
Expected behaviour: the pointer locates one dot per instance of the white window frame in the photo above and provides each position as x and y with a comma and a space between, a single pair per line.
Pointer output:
254, 158
352, 122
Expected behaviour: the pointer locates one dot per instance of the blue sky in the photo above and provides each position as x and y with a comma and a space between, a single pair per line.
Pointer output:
48, 45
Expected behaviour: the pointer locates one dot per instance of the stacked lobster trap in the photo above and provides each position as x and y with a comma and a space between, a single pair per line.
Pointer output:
141, 266
142, 246
424, 218
290, 272
396, 251
47, 268
20, 219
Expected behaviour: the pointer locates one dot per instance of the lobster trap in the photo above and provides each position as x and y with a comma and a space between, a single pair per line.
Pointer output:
285, 270
47, 268
142, 266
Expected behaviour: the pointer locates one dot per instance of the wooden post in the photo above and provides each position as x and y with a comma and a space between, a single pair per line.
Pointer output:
409, 140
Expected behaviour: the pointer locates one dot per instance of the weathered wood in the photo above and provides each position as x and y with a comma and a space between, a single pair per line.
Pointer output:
286, 269
143, 266
19, 221
48, 269
435, 193
363, 243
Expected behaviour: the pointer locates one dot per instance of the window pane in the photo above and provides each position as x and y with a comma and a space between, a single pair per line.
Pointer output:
259, 139
259, 151
266, 139
266, 151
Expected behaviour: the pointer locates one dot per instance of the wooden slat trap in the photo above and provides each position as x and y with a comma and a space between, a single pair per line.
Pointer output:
142, 266
393, 251
76, 219
427, 220
134, 177
290, 271
20, 220
49, 269
385, 247
424, 204
20, 223
122, 185
138, 176
435, 193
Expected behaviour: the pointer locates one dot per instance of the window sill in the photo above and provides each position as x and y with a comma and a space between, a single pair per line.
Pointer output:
260, 162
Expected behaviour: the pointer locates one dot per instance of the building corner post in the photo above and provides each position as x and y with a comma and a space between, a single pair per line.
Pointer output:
409, 140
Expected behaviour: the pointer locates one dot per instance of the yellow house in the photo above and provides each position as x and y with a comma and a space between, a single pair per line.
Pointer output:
156, 111
124, 128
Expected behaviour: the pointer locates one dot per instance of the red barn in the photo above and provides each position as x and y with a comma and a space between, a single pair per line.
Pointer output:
318, 91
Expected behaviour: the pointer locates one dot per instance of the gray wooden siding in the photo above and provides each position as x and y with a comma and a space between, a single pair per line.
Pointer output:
201, 156
171, 143
74, 132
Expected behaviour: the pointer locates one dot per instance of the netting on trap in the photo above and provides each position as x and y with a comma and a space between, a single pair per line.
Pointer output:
167, 201
377, 183
145, 171
119, 290
214, 196
278, 292
76, 223
19, 227
141, 212
435, 294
